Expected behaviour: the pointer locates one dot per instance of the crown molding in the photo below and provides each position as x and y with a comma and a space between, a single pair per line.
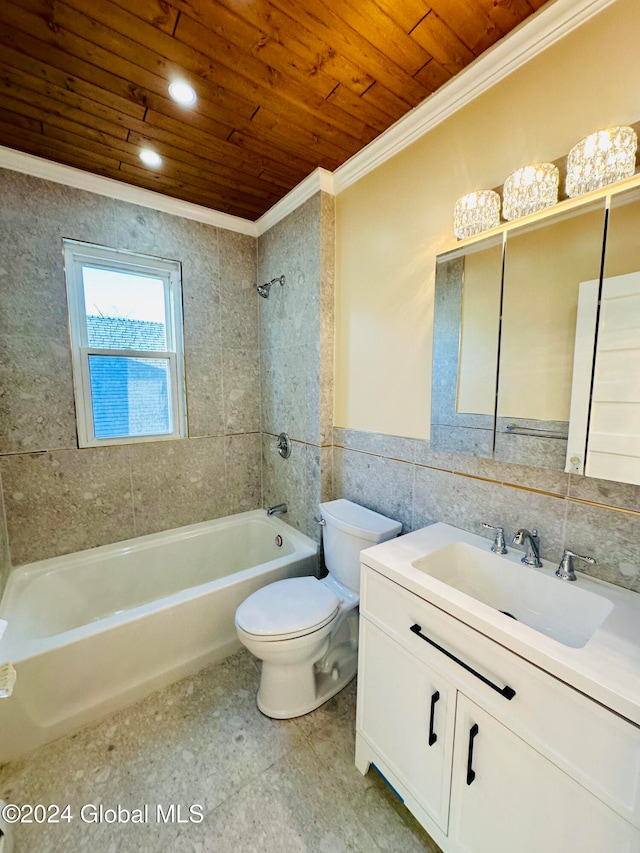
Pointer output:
38, 167
534, 35
319, 179
538, 32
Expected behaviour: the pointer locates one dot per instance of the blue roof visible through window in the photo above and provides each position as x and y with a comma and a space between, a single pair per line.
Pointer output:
129, 395
123, 333
125, 314
120, 297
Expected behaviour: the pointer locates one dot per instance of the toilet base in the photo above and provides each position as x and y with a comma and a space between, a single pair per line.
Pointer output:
295, 689
326, 687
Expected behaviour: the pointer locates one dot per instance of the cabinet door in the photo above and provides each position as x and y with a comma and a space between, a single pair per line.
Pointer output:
505, 796
406, 713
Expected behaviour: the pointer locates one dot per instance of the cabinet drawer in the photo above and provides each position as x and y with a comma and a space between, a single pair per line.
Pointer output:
593, 745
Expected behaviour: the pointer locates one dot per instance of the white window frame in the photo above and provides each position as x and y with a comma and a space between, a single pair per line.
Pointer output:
78, 255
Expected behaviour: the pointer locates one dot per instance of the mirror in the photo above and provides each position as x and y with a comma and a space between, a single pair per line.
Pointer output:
545, 263
536, 360
465, 348
604, 436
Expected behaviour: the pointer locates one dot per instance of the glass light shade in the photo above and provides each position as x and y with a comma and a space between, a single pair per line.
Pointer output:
476, 212
600, 159
530, 189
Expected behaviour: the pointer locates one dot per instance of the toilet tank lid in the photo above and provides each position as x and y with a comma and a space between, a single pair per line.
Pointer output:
359, 521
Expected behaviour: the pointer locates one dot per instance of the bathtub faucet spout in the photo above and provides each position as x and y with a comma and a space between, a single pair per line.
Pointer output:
278, 509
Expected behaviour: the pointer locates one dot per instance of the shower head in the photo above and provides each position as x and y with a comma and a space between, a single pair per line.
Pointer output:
263, 289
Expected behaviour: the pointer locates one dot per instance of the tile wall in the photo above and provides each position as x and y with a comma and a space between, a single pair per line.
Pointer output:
254, 368
406, 480
59, 499
296, 349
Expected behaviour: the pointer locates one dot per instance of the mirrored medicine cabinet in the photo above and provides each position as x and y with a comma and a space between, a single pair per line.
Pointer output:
536, 350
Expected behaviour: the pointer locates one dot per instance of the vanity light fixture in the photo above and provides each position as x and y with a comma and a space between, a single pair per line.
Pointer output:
476, 212
182, 93
600, 159
150, 158
530, 189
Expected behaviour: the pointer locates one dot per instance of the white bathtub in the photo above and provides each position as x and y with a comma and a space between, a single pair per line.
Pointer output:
91, 632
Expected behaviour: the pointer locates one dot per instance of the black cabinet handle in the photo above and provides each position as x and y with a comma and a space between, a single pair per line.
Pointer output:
507, 692
433, 737
471, 773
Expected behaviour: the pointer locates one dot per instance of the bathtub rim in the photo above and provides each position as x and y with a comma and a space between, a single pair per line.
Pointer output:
22, 649
147, 540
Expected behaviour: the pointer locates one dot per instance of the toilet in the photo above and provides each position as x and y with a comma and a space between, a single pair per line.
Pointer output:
305, 630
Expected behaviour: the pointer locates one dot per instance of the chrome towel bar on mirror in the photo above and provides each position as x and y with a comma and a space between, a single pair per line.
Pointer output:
536, 432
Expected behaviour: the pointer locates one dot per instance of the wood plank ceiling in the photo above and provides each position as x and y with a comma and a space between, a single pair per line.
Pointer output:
283, 85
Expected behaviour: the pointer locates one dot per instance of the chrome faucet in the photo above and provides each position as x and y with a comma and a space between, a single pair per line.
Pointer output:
565, 570
278, 509
498, 546
532, 541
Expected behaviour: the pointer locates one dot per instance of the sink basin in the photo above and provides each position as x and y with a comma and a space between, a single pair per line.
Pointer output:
534, 597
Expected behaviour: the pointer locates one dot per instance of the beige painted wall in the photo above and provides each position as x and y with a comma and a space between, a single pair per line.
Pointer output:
478, 367
393, 222
543, 270
623, 254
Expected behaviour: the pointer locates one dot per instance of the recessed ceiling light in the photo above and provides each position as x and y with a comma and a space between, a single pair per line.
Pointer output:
150, 158
182, 93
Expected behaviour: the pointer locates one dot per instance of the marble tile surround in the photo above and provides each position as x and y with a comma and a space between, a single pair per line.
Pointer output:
251, 365
273, 786
296, 356
296, 322
66, 501
60, 499
406, 480
294, 481
239, 349
452, 431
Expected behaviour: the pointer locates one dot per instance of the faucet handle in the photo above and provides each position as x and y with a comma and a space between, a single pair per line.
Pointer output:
499, 546
575, 556
565, 570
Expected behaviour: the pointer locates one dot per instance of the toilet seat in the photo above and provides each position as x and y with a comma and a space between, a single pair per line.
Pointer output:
287, 609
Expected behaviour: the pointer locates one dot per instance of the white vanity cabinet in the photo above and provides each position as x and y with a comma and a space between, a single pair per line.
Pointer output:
520, 761
519, 800
427, 704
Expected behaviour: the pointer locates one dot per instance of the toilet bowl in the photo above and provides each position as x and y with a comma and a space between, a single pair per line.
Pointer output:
305, 630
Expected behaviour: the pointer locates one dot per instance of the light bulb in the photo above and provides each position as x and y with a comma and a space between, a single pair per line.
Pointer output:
150, 158
182, 93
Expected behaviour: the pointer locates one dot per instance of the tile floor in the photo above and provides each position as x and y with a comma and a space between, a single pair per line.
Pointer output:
266, 786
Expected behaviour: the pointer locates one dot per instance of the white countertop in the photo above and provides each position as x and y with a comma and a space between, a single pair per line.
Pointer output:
607, 668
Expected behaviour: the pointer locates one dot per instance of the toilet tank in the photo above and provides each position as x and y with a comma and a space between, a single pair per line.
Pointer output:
349, 529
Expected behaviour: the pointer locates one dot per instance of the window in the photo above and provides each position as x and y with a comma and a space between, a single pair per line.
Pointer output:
125, 315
